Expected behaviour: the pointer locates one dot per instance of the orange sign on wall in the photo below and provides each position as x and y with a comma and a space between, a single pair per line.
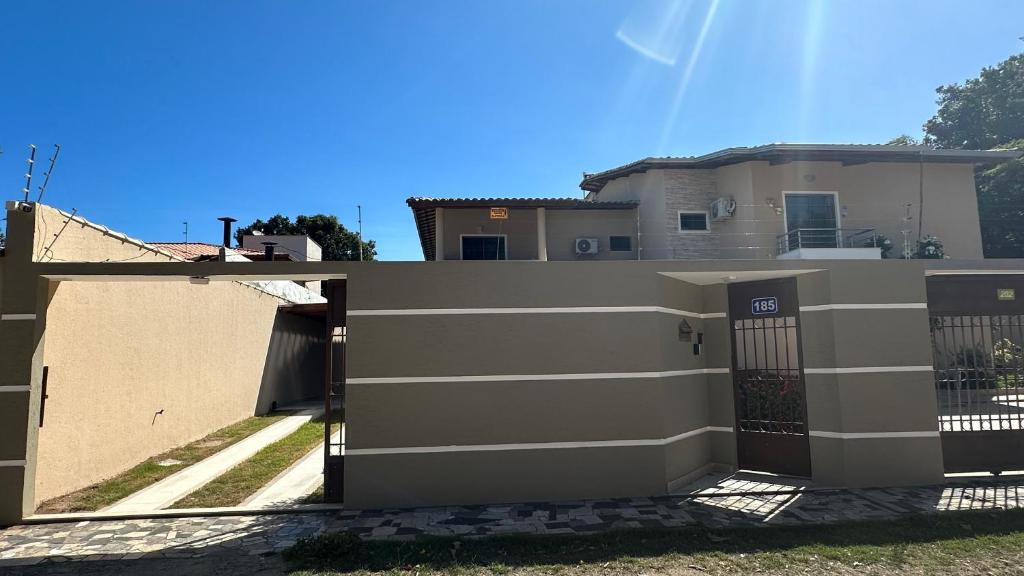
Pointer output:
499, 213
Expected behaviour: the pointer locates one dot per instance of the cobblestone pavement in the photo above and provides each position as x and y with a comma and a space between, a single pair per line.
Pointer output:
259, 538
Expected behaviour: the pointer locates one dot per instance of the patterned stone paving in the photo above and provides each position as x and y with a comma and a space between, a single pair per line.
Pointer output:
263, 536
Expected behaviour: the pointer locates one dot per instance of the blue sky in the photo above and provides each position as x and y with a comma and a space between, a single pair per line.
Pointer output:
175, 111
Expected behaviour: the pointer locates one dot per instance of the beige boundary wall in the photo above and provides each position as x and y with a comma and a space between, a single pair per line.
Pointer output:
137, 368
503, 382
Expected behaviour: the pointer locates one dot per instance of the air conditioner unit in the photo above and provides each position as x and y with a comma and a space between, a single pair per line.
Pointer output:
722, 208
586, 246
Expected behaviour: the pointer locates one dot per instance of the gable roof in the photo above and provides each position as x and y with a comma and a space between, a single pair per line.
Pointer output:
846, 153
423, 211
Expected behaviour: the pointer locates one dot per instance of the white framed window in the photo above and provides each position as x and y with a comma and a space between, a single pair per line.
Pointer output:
483, 246
692, 221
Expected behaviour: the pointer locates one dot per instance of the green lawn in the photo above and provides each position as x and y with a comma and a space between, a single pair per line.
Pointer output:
111, 490
237, 484
948, 543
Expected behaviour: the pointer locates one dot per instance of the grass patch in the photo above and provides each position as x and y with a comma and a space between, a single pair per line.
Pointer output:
949, 543
238, 483
147, 473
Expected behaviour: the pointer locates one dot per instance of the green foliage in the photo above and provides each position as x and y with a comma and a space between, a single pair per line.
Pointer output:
903, 140
338, 243
880, 241
984, 113
929, 248
1001, 207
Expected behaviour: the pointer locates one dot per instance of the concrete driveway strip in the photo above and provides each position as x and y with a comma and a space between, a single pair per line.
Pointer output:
182, 483
298, 481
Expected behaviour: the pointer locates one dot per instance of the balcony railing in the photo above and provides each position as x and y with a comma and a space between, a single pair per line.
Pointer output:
827, 238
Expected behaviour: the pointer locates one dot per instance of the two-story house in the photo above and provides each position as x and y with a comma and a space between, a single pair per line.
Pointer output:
832, 201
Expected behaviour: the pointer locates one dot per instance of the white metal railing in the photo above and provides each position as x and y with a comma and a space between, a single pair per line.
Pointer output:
826, 238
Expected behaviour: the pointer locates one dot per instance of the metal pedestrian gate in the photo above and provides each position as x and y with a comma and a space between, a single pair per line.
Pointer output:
768, 382
334, 389
977, 331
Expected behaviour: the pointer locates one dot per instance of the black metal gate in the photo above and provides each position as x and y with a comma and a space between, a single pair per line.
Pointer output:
768, 383
334, 390
977, 329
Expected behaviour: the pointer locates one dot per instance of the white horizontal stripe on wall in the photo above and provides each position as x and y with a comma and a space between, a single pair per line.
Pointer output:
860, 435
15, 388
17, 316
7, 463
867, 369
532, 377
534, 445
904, 306
552, 310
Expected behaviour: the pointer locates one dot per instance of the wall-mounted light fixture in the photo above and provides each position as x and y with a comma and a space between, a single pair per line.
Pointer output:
774, 206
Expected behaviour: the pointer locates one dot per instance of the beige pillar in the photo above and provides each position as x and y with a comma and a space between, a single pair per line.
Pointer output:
438, 233
542, 235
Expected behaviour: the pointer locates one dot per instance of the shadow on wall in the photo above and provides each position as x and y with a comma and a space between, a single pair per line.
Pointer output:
294, 368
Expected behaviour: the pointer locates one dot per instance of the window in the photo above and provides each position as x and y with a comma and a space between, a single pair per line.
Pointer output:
693, 221
484, 247
619, 244
811, 220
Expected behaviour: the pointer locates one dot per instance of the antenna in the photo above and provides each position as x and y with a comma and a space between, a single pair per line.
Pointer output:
46, 177
359, 207
186, 238
28, 175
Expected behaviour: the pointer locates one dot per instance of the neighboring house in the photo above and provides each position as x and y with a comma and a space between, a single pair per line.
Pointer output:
526, 228
775, 201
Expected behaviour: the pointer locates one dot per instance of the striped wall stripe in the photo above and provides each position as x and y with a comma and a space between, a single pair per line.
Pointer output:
534, 445
9, 463
17, 316
862, 435
15, 388
904, 306
533, 377
546, 310
867, 369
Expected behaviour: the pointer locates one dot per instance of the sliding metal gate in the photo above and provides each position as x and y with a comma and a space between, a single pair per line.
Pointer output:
771, 412
334, 390
977, 328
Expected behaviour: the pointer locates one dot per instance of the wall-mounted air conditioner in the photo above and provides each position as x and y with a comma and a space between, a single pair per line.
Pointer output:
586, 246
723, 208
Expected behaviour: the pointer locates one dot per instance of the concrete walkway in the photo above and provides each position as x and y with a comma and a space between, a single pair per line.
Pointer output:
294, 484
184, 482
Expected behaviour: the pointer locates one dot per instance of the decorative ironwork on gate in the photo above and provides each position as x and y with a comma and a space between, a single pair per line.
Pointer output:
768, 376
979, 372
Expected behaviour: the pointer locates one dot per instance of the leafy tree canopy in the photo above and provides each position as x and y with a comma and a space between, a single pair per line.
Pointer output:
904, 140
984, 113
338, 243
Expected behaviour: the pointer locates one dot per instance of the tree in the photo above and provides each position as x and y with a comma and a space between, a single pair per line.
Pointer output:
984, 113
338, 243
903, 140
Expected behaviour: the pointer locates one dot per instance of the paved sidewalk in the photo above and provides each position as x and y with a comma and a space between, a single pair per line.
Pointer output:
184, 482
262, 536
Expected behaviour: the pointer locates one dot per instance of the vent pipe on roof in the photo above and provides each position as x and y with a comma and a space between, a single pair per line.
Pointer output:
227, 220
268, 251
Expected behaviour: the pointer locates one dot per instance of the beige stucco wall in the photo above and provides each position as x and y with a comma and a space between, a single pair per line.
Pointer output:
548, 438
565, 226
136, 368
521, 229
875, 195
